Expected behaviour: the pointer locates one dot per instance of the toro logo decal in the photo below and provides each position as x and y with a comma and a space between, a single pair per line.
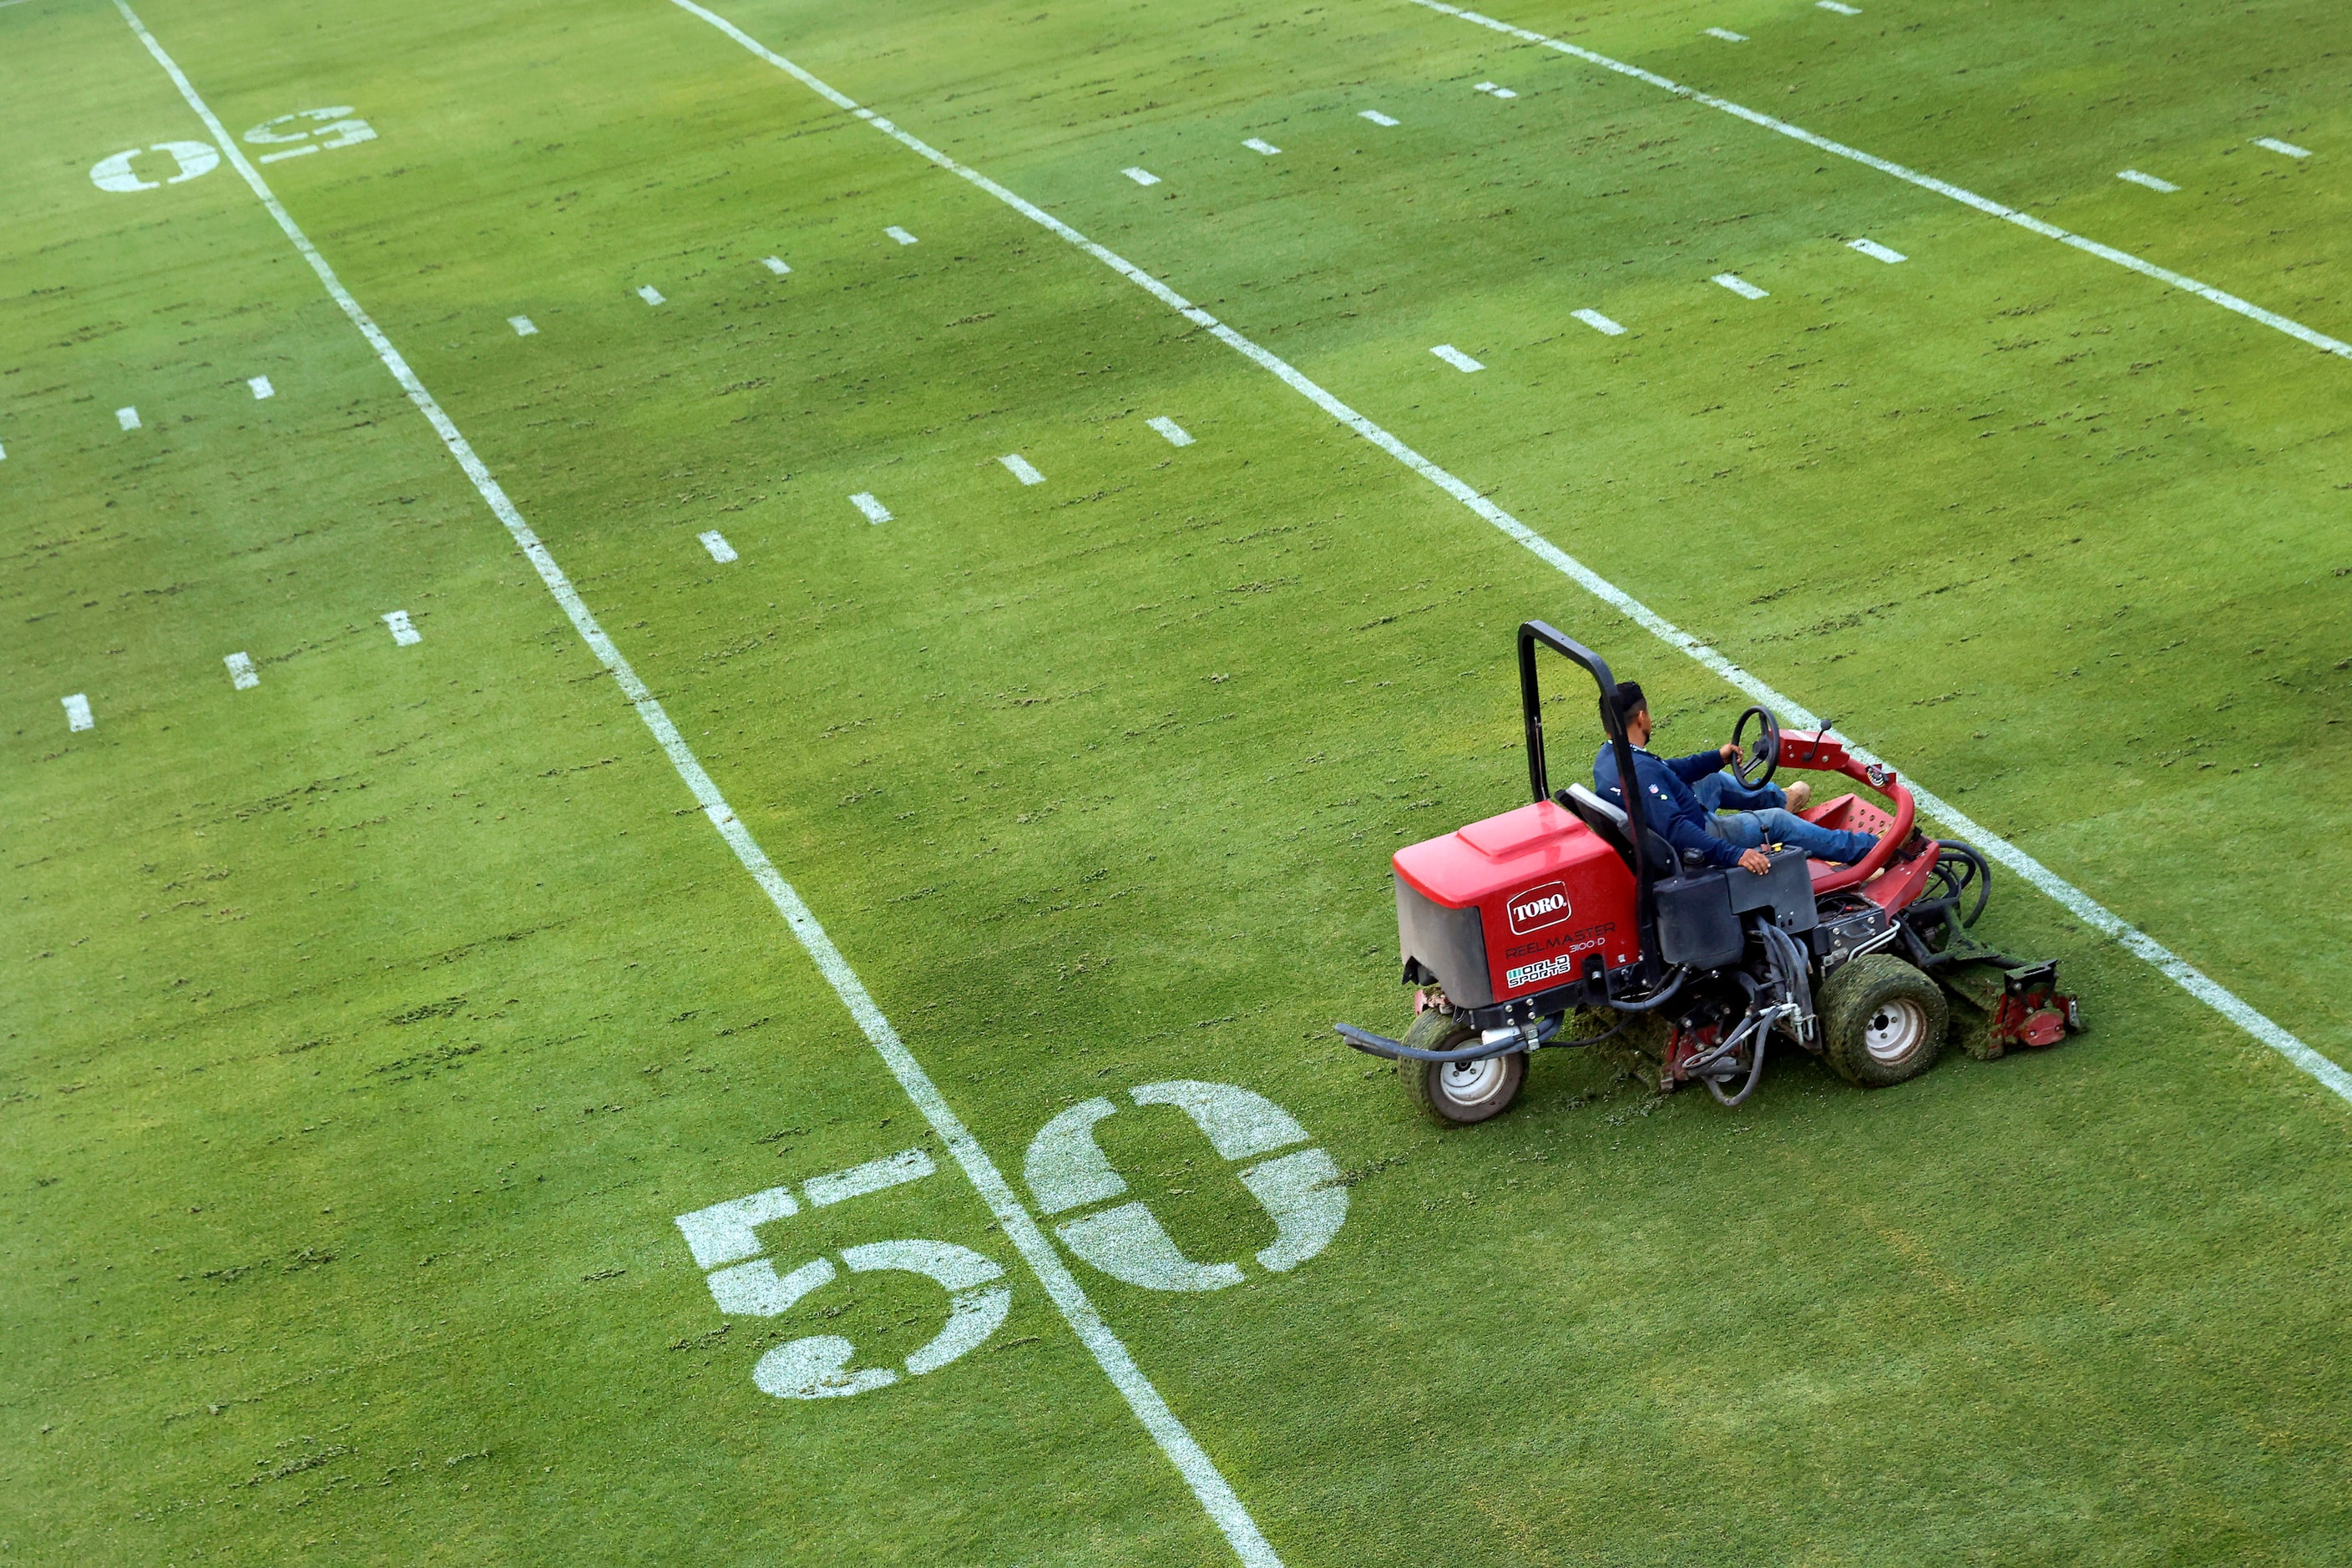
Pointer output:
1540, 907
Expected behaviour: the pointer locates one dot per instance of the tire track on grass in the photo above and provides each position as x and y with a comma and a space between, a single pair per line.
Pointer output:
2076, 901
1200, 1472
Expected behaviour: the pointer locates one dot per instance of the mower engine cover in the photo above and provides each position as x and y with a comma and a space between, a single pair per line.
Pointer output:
1513, 905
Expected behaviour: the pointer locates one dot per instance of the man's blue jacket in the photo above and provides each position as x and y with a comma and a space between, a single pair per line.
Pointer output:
1672, 812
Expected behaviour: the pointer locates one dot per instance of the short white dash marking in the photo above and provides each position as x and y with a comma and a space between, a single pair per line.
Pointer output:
1455, 357
716, 542
241, 673
522, 326
2150, 181
1600, 323
1727, 35
402, 634
873, 509
901, 235
1376, 117
1258, 144
2275, 145
78, 712
874, 1176
1840, 9
775, 264
1174, 432
1492, 90
1738, 285
651, 295
261, 387
3, 453
1142, 176
127, 417
1020, 469
1876, 251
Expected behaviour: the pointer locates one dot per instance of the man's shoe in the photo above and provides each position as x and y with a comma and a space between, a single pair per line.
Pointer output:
1801, 796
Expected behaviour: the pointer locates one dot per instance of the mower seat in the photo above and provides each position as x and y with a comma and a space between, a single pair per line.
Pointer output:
1609, 822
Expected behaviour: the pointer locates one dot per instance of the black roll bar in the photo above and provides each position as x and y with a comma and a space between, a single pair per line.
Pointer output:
1645, 876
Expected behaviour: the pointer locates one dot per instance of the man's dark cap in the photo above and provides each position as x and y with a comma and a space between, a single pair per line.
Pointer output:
1627, 700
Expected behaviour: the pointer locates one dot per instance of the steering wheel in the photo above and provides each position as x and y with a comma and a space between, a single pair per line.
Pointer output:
1756, 770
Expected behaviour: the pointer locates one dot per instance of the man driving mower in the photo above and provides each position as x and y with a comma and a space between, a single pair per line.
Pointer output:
1688, 822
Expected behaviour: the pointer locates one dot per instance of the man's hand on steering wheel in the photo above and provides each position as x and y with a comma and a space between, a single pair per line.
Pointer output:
1732, 754
1757, 861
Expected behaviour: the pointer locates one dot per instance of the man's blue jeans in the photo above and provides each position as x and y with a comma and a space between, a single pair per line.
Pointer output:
1759, 817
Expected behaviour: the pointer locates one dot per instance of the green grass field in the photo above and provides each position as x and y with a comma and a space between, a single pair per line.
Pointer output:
367, 1029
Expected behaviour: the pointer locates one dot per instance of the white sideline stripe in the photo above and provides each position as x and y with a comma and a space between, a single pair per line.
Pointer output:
2150, 181
1985, 205
716, 542
651, 295
1020, 469
77, 709
403, 633
1456, 358
2275, 145
1168, 427
1599, 322
522, 324
1876, 251
901, 235
1256, 144
241, 675
1738, 285
1142, 176
261, 387
1727, 35
873, 509
1191, 1461
1376, 117
775, 264
1840, 10
2072, 898
128, 418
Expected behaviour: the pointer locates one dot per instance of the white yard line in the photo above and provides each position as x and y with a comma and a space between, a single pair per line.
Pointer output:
1876, 251
1020, 469
2273, 144
901, 235
241, 674
1456, 358
2084, 907
126, 419
1740, 286
1376, 118
1171, 429
522, 326
1491, 91
2150, 181
1599, 323
1985, 205
716, 542
77, 709
775, 264
1142, 176
1727, 35
1259, 145
873, 509
404, 634
261, 387
651, 295
1841, 9
1191, 1461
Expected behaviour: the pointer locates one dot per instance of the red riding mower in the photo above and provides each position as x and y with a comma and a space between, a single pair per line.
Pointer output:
1571, 903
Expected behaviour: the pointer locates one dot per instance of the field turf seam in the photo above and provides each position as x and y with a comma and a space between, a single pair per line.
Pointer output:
1192, 1462
2097, 916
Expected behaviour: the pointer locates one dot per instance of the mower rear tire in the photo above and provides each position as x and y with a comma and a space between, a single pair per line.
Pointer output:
1458, 1094
1883, 1022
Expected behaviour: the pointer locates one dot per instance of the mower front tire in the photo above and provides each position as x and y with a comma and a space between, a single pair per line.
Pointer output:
1458, 1094
1882, 1021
